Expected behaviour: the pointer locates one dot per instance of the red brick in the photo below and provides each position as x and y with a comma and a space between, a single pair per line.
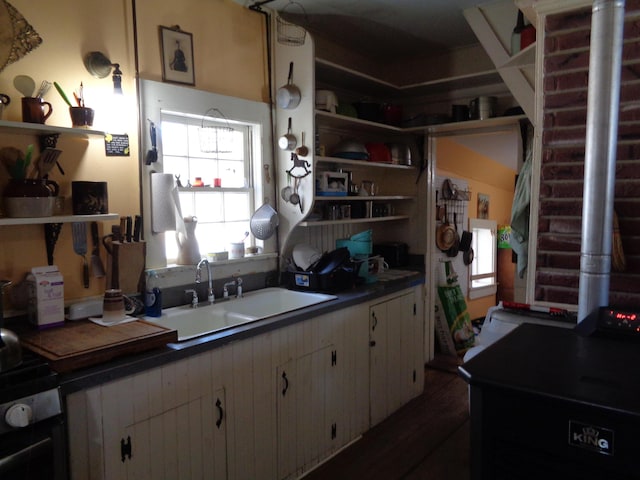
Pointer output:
567, 41
562, 207
568, 20
564, 137
561, 155
565, 118
573, 99
566, 61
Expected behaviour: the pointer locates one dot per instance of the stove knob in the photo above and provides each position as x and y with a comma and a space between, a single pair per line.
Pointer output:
18, 415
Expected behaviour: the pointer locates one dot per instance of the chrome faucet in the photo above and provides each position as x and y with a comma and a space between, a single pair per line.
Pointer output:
210, 296
237, 282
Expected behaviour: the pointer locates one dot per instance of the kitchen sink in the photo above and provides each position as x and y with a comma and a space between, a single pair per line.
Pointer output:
256, 305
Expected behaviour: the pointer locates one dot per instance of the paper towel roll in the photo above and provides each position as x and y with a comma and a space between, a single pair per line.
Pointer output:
163, 203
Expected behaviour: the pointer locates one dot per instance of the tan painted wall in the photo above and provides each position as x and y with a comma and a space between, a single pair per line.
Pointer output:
484, 175
228, 44
229, 50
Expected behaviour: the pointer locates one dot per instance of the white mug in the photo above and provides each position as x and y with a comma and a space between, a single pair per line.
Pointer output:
236, 250
113, 306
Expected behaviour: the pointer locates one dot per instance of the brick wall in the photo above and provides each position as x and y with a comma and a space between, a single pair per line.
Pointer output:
566, 64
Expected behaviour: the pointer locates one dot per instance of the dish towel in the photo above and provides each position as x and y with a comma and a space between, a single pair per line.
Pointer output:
519, 239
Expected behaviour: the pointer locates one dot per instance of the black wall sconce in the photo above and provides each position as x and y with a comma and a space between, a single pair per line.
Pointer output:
98, 65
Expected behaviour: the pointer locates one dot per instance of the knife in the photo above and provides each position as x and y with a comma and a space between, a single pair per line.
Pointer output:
123, 227
137, 225
128, 228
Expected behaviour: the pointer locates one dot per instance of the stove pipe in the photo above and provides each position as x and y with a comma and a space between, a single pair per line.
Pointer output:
600, 154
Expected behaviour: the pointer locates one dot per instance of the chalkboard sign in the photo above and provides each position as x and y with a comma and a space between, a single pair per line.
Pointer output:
116, 145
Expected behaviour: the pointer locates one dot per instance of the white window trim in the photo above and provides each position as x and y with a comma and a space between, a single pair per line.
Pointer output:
156, 96
485, 290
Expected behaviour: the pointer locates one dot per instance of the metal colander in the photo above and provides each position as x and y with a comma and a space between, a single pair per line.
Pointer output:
264, 222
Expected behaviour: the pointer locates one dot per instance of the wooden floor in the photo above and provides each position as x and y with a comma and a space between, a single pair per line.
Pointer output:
426, 439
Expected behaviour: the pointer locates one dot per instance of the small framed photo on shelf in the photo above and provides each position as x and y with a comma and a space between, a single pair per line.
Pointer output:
176, 47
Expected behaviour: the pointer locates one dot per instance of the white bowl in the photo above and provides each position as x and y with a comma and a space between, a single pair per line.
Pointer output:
26, 207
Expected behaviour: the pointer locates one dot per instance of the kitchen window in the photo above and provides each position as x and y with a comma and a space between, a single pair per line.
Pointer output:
220, 155
483, 275
243, 163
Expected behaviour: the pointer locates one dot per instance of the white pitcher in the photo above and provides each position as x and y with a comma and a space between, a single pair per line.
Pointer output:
188, 249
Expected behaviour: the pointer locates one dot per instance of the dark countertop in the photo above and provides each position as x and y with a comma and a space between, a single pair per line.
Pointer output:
558, 363
120, 367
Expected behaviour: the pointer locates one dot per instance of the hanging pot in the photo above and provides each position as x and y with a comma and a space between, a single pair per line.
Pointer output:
467, 256
465, 241
288, 96
455, 247
445, 236
288, 140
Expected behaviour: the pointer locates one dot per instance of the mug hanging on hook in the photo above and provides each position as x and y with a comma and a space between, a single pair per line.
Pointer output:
215, 138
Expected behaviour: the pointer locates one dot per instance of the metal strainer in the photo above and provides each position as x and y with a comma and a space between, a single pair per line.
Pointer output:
264, 222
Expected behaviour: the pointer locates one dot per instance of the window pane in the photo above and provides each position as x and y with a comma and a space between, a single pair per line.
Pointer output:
209, 207
236, 206
223, 216
483, 244
171, 136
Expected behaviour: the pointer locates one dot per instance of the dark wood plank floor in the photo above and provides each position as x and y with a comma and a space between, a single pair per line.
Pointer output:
426, 439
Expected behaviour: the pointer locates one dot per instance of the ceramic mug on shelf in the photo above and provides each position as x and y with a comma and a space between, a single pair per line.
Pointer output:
35, 110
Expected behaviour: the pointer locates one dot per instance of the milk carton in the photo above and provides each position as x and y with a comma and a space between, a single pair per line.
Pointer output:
46, 296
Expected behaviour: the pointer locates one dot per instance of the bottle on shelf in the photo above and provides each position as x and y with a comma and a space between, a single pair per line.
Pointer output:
527, 36
517, 33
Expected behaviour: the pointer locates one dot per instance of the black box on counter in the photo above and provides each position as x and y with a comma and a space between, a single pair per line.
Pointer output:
396, 254
337, 280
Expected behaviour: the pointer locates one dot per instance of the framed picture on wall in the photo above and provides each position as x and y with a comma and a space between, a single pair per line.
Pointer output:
176, 48
483, 205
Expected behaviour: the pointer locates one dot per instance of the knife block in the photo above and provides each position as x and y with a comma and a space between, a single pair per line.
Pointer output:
125, 270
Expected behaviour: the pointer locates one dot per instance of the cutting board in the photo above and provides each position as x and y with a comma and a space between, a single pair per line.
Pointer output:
81, 344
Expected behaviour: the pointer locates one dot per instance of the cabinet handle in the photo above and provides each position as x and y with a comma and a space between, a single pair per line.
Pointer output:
374, 322
220, 413
125, 449
286, 383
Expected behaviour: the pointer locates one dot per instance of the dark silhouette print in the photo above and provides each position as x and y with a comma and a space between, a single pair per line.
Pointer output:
179, 62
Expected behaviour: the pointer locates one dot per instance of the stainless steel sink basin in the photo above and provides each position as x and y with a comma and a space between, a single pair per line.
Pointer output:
256, 305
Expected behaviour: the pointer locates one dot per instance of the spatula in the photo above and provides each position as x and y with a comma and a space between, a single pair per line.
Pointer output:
79, 231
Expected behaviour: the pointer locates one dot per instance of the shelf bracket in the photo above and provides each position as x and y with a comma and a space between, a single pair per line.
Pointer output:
49, 140
51, 234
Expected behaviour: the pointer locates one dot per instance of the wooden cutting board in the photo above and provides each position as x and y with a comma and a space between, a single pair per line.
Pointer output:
81, 344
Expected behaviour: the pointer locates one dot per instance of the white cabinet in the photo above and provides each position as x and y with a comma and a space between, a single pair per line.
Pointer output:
165, 423
306, 409
396, 359
268, 407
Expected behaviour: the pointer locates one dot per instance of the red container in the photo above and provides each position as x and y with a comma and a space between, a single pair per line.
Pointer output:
392, 114
378, 152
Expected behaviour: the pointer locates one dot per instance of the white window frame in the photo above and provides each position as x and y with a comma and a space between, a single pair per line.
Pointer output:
475, 225
155, 97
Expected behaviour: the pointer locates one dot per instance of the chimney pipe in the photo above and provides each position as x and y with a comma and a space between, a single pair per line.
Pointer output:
600, 154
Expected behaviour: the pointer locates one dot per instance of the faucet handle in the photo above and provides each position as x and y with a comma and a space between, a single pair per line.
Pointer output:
194, 297
239, 287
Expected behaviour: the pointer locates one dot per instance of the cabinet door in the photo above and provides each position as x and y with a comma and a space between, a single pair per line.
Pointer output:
394, 333
164, 423
306, 410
